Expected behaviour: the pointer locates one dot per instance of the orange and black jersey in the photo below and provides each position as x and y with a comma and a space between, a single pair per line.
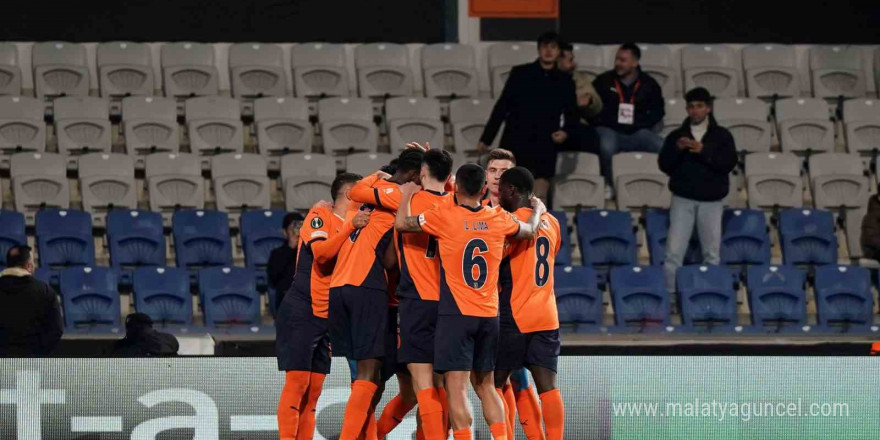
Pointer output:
527, 295
317, 257
417, 251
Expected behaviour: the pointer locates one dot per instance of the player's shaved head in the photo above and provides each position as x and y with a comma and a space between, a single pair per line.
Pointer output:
470, 178
439, 164
341, 181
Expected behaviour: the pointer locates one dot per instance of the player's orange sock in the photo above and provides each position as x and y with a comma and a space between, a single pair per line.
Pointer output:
529, 413
510, 402
462, 434
508, 410
498, 430
306, 429
431, 411
356, 410
392, 415
296, 384
444, 400
371, 430
554, 414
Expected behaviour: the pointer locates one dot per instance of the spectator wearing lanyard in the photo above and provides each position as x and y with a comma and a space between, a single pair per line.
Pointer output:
632, 105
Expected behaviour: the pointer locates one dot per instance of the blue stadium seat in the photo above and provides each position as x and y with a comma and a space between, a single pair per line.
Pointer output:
47, 276
64, 238
201, 239
563, 258
807, 237
136, 239
261, 232
706, 298
744, 238
229, 297
777, 298
607, 239
656, 231
90, 299
12, 232
640, 299
844, 301
578, 298
163, 293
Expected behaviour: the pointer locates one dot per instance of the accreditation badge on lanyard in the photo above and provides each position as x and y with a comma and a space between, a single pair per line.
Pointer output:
626, 112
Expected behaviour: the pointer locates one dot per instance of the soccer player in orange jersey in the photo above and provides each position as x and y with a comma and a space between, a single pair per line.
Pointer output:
529, 320
302, 342
470, 241
359, 297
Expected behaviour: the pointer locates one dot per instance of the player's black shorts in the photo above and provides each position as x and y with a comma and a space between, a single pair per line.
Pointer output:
301, 339
358, 322
390, 363
465, 343
517, 350
418, 321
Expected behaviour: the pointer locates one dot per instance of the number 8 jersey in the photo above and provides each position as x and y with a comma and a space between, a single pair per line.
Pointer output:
471, 245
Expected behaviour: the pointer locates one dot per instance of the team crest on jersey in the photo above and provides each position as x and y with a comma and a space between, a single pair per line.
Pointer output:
317, 223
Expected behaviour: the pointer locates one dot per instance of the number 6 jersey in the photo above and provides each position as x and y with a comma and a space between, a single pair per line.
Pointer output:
471, 245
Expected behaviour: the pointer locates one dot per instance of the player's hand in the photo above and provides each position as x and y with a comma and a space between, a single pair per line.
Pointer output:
409, 188
361, 219
382, 175
323, 204
481, 147
559, 136
418, 146
538, 205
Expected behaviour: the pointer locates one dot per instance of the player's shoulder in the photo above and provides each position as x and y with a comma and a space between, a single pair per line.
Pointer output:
318, 216
386, 185
549, 220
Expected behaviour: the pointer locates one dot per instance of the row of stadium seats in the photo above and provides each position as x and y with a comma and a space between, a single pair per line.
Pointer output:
385, 69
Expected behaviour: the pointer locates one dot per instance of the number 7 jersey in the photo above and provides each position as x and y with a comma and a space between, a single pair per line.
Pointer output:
471, 245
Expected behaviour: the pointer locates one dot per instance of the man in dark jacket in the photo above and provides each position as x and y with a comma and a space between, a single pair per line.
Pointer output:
632, 105
142, 340
30, 317
871, 230
538, 107
282, 260
698, 157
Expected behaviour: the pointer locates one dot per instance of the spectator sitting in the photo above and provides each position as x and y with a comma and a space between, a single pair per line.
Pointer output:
589, 104
142, 340
282, 260
632, 104
698, 157
871, 230
30, 317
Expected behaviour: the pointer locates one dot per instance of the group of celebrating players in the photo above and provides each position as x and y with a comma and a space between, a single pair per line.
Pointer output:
438, 288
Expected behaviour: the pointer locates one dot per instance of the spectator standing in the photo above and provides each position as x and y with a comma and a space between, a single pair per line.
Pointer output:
871, 230
584, 138
30, 317
632, 105
538, 109
282, 260
698, 157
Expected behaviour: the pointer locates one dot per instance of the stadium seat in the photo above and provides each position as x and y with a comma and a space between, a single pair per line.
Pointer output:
413, 119
10, 72
807, 237
578, 182
47, 276
60, 69
12, 232
383, 70
364, 164
578, 298
256, 70
163, 294
590, 59
563, 257
319, 70
774, 181
839, 185
777, 298
744, 237
861, 119
450, 70
676, 113
174, 181
214, 125
22, 128
282, 127
706, 298
502, 57
347, 125
125, 69
715, 67
656, 232
241, 182
771, 71
188, 70
135, 239
90, 300
106, 183
640, 299
804, 124
261, 232
64, 238
639, 182
150, 125
468, 119
836, 71
39, 180
306, 179
229, 297
606, 239
844, 301
747, 120
201, 239
658, 61
82, 125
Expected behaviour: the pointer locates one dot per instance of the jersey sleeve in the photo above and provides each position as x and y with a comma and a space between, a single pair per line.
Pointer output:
387, 197
433, 222
316, 226
375, 191
362, 191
